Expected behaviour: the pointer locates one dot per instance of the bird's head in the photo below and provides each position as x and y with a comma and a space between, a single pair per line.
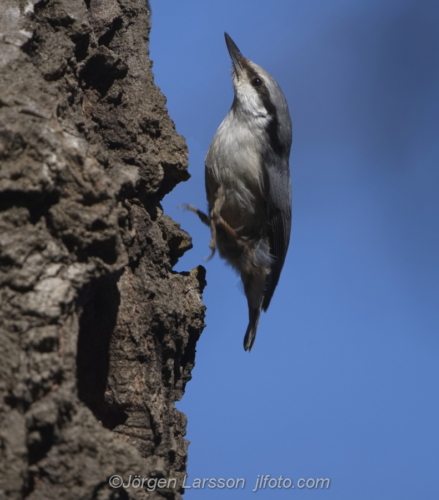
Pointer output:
259, 101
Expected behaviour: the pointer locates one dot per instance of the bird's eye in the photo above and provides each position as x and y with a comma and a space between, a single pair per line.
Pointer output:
256, 82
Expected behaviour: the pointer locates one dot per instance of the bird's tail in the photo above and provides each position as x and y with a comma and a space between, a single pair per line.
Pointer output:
250, 334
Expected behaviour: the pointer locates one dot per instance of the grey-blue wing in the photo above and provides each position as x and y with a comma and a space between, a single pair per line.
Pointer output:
279, 214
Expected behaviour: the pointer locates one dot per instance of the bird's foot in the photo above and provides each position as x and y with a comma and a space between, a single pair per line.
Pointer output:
203, 217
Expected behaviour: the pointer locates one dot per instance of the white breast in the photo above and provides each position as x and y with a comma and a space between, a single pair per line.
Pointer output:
234, 163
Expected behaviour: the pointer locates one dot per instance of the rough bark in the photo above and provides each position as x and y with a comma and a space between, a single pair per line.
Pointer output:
98, 333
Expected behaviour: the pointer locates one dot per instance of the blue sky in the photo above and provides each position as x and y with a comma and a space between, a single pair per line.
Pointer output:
342, 382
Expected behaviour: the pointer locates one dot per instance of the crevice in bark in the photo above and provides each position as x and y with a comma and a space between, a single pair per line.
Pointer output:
82, 42
108, 36
101, 70
38, 204
100, 304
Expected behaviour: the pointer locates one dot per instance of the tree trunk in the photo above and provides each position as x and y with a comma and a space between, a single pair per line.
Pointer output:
98, 333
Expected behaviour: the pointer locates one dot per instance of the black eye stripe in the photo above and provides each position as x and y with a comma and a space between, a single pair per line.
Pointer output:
272, 127
253, 76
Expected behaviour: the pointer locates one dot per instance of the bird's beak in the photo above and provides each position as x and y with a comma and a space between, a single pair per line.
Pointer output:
235, 55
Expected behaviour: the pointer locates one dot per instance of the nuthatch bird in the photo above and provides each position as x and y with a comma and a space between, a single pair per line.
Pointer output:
248, 184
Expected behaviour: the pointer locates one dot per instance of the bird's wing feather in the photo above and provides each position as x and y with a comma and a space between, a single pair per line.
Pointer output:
277, 186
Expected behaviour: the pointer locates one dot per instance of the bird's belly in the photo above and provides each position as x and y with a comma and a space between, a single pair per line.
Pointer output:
242, 209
